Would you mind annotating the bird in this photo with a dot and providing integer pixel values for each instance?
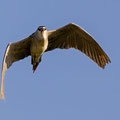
(42, 40)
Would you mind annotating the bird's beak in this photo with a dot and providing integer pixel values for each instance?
(44, 28)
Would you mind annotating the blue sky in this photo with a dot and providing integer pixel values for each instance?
(67, 85)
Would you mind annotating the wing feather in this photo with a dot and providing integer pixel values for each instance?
(73, 36)
(14, 52)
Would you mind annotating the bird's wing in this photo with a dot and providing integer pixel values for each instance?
(73, 36)
(14, 52)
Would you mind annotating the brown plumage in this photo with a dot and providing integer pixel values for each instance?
(72, 36)
(69, 36)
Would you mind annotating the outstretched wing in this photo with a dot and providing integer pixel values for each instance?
(14, 52)
(73, 36)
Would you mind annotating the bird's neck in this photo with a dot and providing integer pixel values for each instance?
(41, 35)
(45, 35)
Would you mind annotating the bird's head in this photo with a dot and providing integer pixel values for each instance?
(41, 29)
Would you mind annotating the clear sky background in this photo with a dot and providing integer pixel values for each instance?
(67, 85)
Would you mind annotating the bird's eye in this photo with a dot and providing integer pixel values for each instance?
(39, 29)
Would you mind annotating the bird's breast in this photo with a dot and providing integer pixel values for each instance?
(38, 47)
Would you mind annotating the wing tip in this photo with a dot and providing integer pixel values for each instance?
(3, 72)
(105, 63)
(3, 96)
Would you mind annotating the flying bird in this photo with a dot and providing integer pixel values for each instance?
(69, 36)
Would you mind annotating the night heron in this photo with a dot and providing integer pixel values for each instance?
(69, 36)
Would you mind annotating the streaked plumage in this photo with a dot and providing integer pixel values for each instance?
(69, 36)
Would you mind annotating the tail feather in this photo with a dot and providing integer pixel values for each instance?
(35, 66)
(34, 63)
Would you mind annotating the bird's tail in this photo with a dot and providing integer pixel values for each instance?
(34, 63)
(35, 66)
